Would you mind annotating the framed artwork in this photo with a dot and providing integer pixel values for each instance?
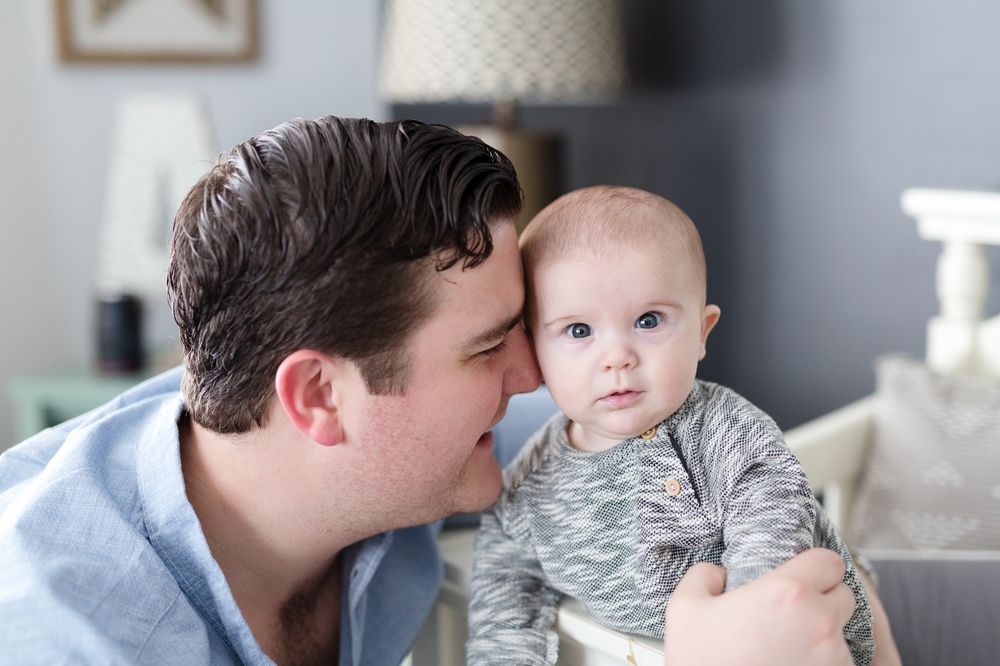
(157, 30)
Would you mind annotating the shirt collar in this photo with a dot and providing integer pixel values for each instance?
(692, 402)
(360, 564)
(175, 533)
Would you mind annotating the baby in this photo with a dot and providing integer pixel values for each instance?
(646, 470)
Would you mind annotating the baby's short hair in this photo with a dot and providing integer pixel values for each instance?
(597, 217)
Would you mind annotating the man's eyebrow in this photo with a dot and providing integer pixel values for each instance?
(495, 333)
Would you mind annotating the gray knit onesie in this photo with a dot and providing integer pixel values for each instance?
(618, 529)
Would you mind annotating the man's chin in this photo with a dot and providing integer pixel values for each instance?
(481, 504)
(479, 491)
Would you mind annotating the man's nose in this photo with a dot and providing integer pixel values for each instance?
(523, 374)
(618, 354)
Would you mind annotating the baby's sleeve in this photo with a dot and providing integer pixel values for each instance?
(769, 519)
(511, 606)
(766, 506)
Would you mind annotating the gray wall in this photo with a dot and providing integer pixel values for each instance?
(787, 130)
(318, 57)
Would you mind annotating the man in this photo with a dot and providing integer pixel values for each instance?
(348, 295)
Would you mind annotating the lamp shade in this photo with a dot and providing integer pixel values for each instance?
(494, 50)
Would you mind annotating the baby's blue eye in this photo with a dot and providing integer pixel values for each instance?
(648, 320)
(580, 330)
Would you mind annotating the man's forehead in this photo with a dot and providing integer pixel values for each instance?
(481, 302)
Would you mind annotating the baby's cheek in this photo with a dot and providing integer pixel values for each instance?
(565, 374)
(569, 392)
(548, 360)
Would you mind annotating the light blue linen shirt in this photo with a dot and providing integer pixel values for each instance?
(103, 561)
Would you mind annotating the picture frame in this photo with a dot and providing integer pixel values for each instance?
(157, 31)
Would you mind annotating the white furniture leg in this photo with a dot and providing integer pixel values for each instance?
(963, 281)
(958, 340)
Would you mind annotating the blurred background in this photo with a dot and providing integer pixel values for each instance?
(786, 129)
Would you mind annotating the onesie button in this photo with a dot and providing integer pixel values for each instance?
(673, 487)
(649, 434)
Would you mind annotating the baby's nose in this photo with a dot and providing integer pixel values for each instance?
(620, 355)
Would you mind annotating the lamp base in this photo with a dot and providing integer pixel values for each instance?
(535, 156)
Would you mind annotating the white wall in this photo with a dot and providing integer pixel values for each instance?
(318, 57)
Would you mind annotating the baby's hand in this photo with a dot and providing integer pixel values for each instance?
(791, 616)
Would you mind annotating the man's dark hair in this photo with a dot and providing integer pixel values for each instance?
(318, 235)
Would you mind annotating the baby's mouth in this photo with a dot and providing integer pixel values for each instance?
(621, 397)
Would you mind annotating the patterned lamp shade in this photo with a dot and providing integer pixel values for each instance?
(497, 50)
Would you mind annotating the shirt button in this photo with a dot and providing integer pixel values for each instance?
(649, 434)
(673, 487)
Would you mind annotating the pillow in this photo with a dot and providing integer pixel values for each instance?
(933, 476)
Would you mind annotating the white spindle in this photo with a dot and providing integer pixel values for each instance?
(958, 340)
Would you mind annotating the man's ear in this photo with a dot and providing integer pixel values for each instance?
(709, 318)
(309, 391)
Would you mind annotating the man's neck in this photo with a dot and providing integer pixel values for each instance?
(283, 568)
(308, 630)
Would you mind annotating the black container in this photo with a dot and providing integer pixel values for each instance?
(119, 333)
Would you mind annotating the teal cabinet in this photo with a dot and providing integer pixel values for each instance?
(41, 401)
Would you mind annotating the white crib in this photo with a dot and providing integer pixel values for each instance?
(831, 448)
(959, 341)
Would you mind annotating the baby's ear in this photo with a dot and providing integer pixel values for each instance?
(709, 318)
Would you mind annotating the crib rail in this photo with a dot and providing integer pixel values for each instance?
(832, 452)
